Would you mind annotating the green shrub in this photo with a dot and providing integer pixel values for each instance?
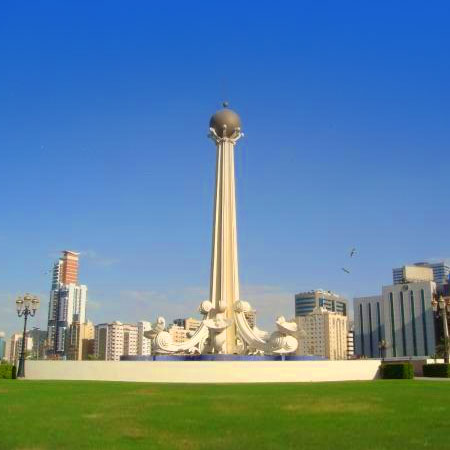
(397, 371)
(7, 371)
(436, 370)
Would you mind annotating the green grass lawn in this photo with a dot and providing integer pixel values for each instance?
(374, 415)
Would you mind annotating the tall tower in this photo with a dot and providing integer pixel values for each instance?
(225, 128)
(67, 301)
(227, 320)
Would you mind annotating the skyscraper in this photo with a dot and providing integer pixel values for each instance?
(67, 302)
(69, 268)
(65, 270)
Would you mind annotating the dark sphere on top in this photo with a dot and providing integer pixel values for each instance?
(225, 117)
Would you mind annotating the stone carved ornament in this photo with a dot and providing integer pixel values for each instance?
(209, 336)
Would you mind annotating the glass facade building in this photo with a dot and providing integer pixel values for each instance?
(306, 302)
(441, 272)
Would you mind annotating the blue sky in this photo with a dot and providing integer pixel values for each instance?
(104, 110)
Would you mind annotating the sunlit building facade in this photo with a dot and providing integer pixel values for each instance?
(325, 334)
(116, 339)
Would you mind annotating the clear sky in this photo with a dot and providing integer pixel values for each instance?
(104, 110)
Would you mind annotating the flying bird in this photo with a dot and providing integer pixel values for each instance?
(353, 252)
(345, 270)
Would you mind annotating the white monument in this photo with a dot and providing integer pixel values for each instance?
(224, 328)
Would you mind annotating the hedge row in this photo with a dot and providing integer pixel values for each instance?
(7, 371)
(436, 370)
(397, 371)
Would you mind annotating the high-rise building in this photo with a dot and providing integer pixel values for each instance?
(325, 334)
(130, 339)
(306, 302)
(69, 267)
(113, 340)
(65, 270)
(67, 302)
(441, 271)
(2, 345)
(144, 346)
(369, 325)
(446, 290)
(409, 319)
(39, 338)
(402, 318)
(418, 272)
(15, 347)
(80, 340)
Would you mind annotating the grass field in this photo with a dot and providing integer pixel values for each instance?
(352, 415)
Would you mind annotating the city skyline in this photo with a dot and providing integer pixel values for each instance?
(342, 156)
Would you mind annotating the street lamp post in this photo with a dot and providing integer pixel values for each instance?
(441, 307)
(26, 306)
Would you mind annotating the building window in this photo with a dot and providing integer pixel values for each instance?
(402, 311)
(413, 322)
(394, 346)
(424, 322)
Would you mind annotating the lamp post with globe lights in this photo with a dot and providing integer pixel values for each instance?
(26, 306)
(441, 307)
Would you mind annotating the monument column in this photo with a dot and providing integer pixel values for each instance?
(224, 288)
(224, 314)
